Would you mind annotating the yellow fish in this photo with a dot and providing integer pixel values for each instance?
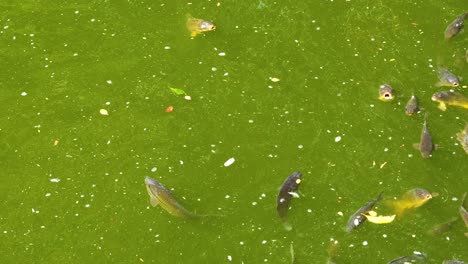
(378, 219)
(197, 26)
(411, 199)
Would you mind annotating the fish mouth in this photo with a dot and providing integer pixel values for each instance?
(434, 97)
(387, 95)
(149, 181)
(455, 84)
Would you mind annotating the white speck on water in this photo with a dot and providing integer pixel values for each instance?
(338, 139)
(364, 243)
(263, 195)
(317, 28)
(309, 210)
(384, 235)
(274, 79)
(241, 243)
(75, 54)
(214, 69)
(47, 194)
(385, 149)
(454, 199)
(356, 221)
(92, 20)
(77, 12)
(413, 235)
(5, 231)
(108, 103)
(410, 155)
(340, 213)
(167, 47)
(187, 97)
(447, 238)
(181, 162)
(313, 21)
(351, 245)
(24, 93)
(54, 180)
(42, 227)
(103, 112)
(227, 196)
(154, 169)
(251, 121)
(229, 162)
(254, 203)
(109, 81)
(222, 54)
(87, 205)
(264, 242)
(300, 146)
(229, 258)
(371, 105)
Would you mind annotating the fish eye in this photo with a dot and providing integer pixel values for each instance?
(455, 84)
(428, 196)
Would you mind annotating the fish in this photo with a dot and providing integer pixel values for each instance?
(379, 219)
(386, 92)
(417, 257)
(411, 107)
(450, 98)
(464, 212)
(425, 145)
(332, 251)
(446, 78)
(196, 26)
(357, 218)
(160, 195)
(411, 199)
(453, 262)
(455, 27)
(442, 228)
(290, 185)
(462, 137)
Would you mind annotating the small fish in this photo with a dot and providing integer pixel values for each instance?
(411, 107)
(357, 218)
(455, 27)
(411, 199)
(446, 78)
(442, 228)
(425, 145)
(453, 262)
(332, 251)
(417, 257)
(464, 212)
(386, 92)
(462, 137)
(379, 219)
(159, 195)
(290, 185)
(197, 26)
(450, 98)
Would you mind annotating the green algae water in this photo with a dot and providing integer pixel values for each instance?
(280, 86)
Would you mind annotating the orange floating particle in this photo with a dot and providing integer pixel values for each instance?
(56, 142)
(169, 109)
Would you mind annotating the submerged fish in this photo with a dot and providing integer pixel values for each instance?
(450, 98)
(379, 219)
(442, 228)
(332, 251)
(411, 199)
(290, 185)
(453, 262)
(425, 145)
(462, 137)
(455, 27)
(464, 212)
(386, 92)
(357, 218)
(159, 195)
(197, 26)
(446, 78)
(417, 257)
(411, 107)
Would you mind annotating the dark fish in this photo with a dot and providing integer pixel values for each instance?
(453, 262)
(287, 191)
(450, 98)
(446, 78)
(425, 146)
(417, 257)
(411, 107)
(464, 212)
(462, 137)
(442, 228)
(455, 27)
(386, 92)
(159, 195)
(357, 218)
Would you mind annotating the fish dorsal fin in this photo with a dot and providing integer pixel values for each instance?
(153, 201)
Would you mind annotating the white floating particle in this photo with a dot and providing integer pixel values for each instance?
(364, 243)
(54, 180)
(338, 139)
(384, 235)
(229, 258)
(47, 194)
(340, 213)
(222, 54)
(229, 162)
(33, 210)
(264, 242)
(77, 12)
(181, 162)
(87, 205)
(274, 79)
(214, 69)
(241, 243)
(108, 103)
(227, 196)
(371, 105)
(187, 97)
(294, 194)
(413, 235)
(167, 47)
(24, 93)
(454, 199)
(309, 210)
(109, 81)
(385, 149)
(103, 112)
(254, 203)
(75, 54)
(300, 146)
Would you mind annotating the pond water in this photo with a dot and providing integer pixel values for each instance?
(280, 86)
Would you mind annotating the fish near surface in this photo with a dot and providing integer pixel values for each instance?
(197, 26)
(357, 218)
(463, 212)
(417, 257)
(453, 262)
(425, 145)
(462, 137)
(411, 199)
(442, 228)
(161, 196)
(287, 191)
(450, 98)
(446, 78)
(411, 107)
(386, 92)
(455, 27)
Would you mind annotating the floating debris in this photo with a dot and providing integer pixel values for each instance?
(103, 112)
(169, 109)
(229, 162)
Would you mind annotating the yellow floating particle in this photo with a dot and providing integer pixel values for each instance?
(392, 59)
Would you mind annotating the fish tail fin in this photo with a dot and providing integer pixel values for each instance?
(287, 226)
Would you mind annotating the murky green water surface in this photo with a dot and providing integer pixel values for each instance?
(73, 180)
